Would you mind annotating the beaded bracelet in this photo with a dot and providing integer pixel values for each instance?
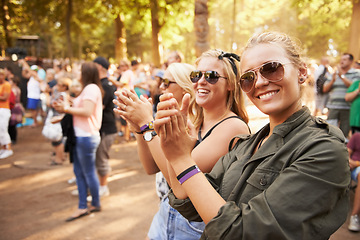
(188, 173)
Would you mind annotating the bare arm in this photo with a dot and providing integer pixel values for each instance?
(349, 97)
(177, 148)
(85, 111)
(328, 85)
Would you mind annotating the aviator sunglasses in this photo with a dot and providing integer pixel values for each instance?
(166, 82)
(272, 71)
(210, 76)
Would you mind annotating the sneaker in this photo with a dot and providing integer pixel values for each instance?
(104, 191)
(354, 224)
(75, 192)
(72, 181)
(6, 154)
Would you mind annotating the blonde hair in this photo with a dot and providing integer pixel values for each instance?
(181, 74)
(234, 99)
(291, 46)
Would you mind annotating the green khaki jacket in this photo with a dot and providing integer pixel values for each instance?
(294, 187)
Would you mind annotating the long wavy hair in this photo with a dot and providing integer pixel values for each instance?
(234, 99)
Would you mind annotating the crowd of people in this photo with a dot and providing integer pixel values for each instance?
(214, 177)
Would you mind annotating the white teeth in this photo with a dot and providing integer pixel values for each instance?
(202, 91)
(267, 95)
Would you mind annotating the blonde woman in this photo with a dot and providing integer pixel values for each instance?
(287, 181)
(217, 119)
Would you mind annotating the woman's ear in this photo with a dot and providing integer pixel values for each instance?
(302, 73)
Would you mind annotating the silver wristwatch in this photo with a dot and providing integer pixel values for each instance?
(149, 135)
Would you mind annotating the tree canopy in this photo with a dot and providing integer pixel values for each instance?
(323, 26)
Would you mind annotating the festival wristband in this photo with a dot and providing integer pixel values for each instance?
(188, 173)
(147, 127)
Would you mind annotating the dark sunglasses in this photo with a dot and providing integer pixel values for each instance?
(166, 82)
(210, 76)
(272, 71)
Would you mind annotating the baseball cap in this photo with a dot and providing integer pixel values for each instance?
(102, 61)
(160, 74)
(34, 67)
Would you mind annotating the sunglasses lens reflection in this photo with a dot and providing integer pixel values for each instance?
(195, 76)
(247, 80)
(273, 71)
(210, 76)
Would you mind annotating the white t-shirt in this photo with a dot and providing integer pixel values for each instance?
(33, 89)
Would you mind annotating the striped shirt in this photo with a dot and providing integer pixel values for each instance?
(338, 90)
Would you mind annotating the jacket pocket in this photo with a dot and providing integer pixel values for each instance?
(262, 178)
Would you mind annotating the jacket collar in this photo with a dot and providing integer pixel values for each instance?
(277, 138)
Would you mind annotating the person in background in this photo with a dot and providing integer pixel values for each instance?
(17, 112)
(59, 70)
(5, 141)
(342, 78)
(127, 82)
(218, 114)
(9, 73)
(108, 127)
(357, 65)
(352, 96)
(353, 148)
(321, 98)
(87, 116)
(287, 181)
(33, 90)
(59, 91)
(174, 56)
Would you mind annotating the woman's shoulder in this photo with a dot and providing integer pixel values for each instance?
(234, 124)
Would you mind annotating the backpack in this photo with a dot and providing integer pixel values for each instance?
(320, 82)
(12, 100)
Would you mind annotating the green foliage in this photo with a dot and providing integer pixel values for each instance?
(314, 22)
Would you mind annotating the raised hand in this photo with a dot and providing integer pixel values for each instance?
(137, 111)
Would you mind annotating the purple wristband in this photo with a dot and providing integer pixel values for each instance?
(189, 175)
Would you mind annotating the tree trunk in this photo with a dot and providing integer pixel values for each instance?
(5, 19)
(120, 41)
(201, 27)
(68, 30)
(155, 29)
(354, 43)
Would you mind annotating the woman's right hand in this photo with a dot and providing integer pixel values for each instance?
(136, 111)
(171, 126)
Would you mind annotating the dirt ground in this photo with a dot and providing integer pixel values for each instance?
(35, 197)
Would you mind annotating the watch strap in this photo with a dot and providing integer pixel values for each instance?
(147, 127)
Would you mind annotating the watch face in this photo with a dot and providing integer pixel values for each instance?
(148, 136)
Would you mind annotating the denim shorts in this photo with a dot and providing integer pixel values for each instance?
(169, 224)
(355, 174)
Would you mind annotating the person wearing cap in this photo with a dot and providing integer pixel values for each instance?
(5, 141)
(108, 127)
(33, 89)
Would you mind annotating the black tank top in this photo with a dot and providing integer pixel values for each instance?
(200, 139)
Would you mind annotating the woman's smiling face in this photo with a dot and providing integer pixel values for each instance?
(210, 94)
(282, 98)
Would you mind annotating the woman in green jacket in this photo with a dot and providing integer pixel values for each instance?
(287, 181)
